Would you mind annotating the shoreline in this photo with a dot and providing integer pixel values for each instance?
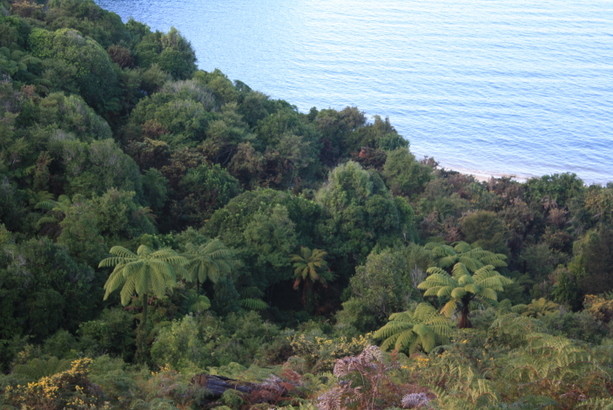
(484, 176)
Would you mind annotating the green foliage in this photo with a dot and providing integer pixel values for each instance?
(310, 265)
(111, 334)
(75, 63)
(181, 345)
(171, 51)
(88, 225)
(320, 352)
(404, 175)
(265, 227)
(359, 213)
(421, 329)
(593, 260)
(336, 128)
(88, 18)
(146, 272)
(116, 379)
(310, 269)
(107, 128)
(37, 368)
(203, 190)
(379, 134)
(92, 168)
(270, 239)
(178, 114)
(537, 308)
(199, 342)
(473, 276)
(380, 287)
(68, 113)
(211, 261)
(177, 56)
(37, 300)
(485, 230)
(557, 188)
(599, 202)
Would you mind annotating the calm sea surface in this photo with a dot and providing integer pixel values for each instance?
(486, 86)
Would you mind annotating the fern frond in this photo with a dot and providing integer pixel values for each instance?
(449, 308)
(122, 252)
(111, 261)
(253, 304)
(127, 291)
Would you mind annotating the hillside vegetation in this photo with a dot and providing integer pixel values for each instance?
(161, 225)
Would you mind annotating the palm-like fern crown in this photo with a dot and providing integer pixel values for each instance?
(211, 261)
(471, 256)
(144, 272)
(409, 331)
(311, 265)
(473, 274)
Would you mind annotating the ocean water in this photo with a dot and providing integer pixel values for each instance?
(491, 87)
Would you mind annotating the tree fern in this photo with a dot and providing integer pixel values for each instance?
(211, 261)
(470, 278)
(146, 272)
(409, 331)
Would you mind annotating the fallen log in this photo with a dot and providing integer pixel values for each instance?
(217, 385)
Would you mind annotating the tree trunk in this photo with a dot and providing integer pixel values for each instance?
(464, 312)
(142, 332)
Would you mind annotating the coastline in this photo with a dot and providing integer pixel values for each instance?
(485, 176)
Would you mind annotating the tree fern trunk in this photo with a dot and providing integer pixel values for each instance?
(142, 332)
(145, 310)
(464, 313)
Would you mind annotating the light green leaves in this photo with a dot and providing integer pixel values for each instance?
(146, 272)
(409, 331)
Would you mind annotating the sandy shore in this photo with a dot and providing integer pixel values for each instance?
(483, 176)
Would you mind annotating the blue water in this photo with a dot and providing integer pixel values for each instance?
(492, 87)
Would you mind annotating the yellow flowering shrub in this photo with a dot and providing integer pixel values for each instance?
(599, 307)
(69, 389)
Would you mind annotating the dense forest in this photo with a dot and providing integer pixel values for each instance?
(170, 238)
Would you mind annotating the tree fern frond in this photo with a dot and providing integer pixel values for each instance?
(471, 263)
(111, 261)
(459, 269)
(405, 340)
(122, 252)
(424, 311)
(458, 293)
(115, 280)
(390, 342)
(449, 308)
(497, 260)
(127, 291)
(433, 291)
(443, 291)
(461, 247)
(489, 294)
(391, 328)
(253, 304)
